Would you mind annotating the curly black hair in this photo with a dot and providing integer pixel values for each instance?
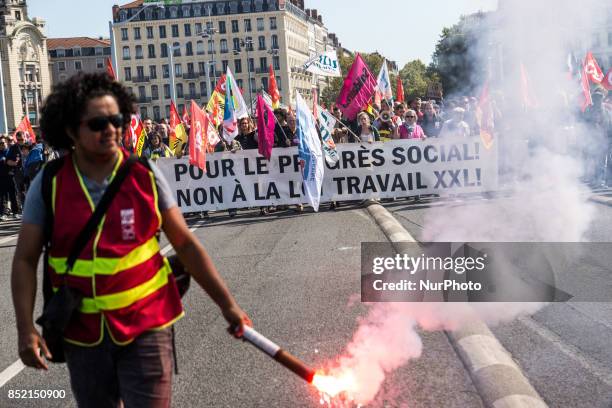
(65, 106)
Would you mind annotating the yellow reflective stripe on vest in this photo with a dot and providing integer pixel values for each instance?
(107, 266)
(128, 297)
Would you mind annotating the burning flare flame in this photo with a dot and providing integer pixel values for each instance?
(332, 386)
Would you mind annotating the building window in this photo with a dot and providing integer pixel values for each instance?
(211, 47)
(190, 68)
(260, 24)
(167, 111)
(142, 92)
(262, 42)
(276, 62)
(203, 89)
(137, 33)
(200, 47)
(192, 90)
(176, 49)
(240, 83)
(222, 28)
(78, 65)
(273, 23)
(253, 84)
(247, 25)
(60, 52)
(187, 30)
(278, 83)
(128, 73)
(148, 14)
(178, 70)
(175, 30)
(198, 28)
(61, 66)
(17, 15)
(162, 31)
(152, 71)
(154, 92)
(236, 44)
(188, 49)
(167, 91)
(99, 63)
(274, 41)
(76, 52)
(251, 64)
(179, 91)
(264, 83)
(197, 10)
(166, 71)
(237, 66)
(249, 43)
(143, 112)
(99, 51)
(151, 49)
(164, 50)
(140, 72)
(149, 32)
(156, 114)
(173, 12)
(139, 52)
(186, 11)
(263, 64)
(224, 65)
(126, 53)
(235, 28)
(224, 49)
(124, 34)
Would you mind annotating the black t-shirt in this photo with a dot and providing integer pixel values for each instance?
(14, 153)
(3, 166)
(282, 136)
(247, 141)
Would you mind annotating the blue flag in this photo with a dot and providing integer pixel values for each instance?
(310, 153)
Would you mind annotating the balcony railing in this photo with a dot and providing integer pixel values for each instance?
(190, 75)
(144, 99)
(140, 79)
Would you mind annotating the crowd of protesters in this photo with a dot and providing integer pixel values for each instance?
(417, 119)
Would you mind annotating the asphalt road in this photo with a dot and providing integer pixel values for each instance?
(298, 278)
(564, 349)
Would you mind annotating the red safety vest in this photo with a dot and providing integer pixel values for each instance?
(126, 283)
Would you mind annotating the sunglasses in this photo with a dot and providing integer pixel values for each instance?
(411, 117)
(99, 123)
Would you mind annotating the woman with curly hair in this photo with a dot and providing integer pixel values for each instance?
(118, 341)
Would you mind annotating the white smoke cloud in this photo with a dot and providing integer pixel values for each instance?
(546, 200)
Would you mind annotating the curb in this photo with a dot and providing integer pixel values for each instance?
(498, 379)
(601, 200)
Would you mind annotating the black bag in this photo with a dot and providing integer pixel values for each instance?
(181, 276)
(60, 306)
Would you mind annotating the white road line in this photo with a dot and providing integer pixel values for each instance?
(17, 366)
(7, 239)
(10, 372)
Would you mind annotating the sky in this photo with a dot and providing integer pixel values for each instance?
(401, 30)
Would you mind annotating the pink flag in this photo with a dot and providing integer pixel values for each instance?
(265, 128)
(198, 140)
(357, 90)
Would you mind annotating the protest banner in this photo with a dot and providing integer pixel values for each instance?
(394, 169)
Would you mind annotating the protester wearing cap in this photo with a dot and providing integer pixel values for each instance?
(456, 126)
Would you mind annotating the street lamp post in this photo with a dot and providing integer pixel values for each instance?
(248, 43)
(172, 78)
(207, 34)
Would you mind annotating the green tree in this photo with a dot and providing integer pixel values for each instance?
(454, 59)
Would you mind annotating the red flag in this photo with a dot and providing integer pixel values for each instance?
(273, 89)
(607, 81)
(529, 98)
(26, 128)
(185, 117)
(110, 70)
(400, 89)
(265, 128)
(198, 138)
(592, 70)
(586, 90)
(135, 136)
